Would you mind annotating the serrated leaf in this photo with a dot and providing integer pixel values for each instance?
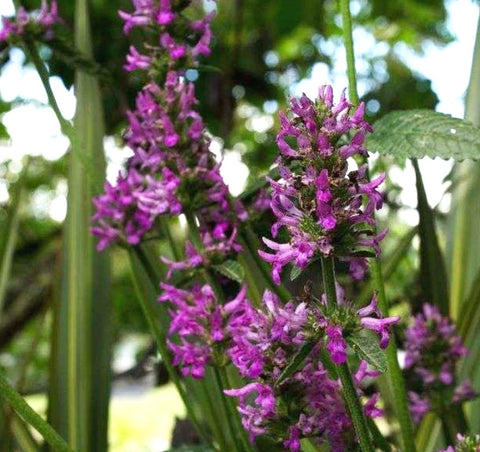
(368, 348)
(296, 362)
(420, 133)
(232, 270)
(295, 273)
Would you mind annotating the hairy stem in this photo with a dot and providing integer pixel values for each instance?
(349, 392)
(23, 409)
(394, 373)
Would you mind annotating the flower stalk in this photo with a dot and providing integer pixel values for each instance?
(349, 392)
(394, 373)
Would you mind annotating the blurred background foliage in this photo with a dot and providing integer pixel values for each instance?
(261, 49)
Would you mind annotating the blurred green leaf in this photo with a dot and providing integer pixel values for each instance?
(232, 270)
(433, 274)
(295, 272)
(80, 382)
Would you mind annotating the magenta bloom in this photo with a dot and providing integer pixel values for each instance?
(127, 210)
(379, 325)
(336, 345)
(199, 322)
(160, 17)
(41, 23)
(326, 209)
(433, 349)
(262, 342)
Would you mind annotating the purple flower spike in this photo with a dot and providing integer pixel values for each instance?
(320, 203)
(433, 349)
(24, 22)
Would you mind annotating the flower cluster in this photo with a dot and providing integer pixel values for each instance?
(306, 402)
(166, 17)
(327, 209)
(199, 321)
(171, 169)
(40, 24)
(127, 210)
(343, 320)
(470, 443)
(433, 348)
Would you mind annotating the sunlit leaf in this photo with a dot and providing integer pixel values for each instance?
(419, 133)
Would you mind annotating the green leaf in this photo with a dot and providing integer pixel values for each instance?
(232, 270)
(296, 362)
(367, 348)
(433, 274)
(295, 273)
(420, 133)
(464, 244)
(80, 373)
(31, 417)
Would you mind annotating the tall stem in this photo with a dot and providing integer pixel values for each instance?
(198, 243)
(396, 382)
(348, 41)
(159, 335)
(32, 51)
(223, 382)
(394, 373)
(23, 409)
(349, 392)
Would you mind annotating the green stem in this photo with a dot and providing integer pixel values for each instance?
(233, 419)
(10, 232)
(23, 409)
(394, 373)
(225, 406)
(354, 407)
(349, 392)
(32, 51)
(198, 243)
(164, 224)
(161, 340)
(348, 40)
(235, 415)
(196, 239)
(395, 378)
(448, 428)
(328, 273)
(453, 422)
(377, 436)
